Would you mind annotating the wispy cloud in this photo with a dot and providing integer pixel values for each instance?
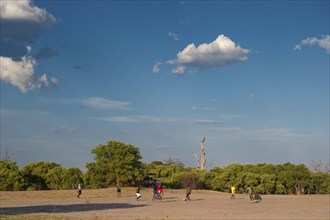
(97, 103)
(284, 135)
(102, 103)
(62, 129)
(156, 67)
(138, 119)
(312, 41)
(157, 119)
(173, 35)
(194, 108)
(208, 122)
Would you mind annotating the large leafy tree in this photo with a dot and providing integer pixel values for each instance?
(115, 163)
(43, 175)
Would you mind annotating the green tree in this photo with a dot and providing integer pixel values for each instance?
(115, 162)
(71, 177)
(54, 178)
(10, 177)
(40, 175)
(320, 182)
(98, 176)
(267, 183)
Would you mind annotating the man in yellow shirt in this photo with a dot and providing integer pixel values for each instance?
(232, 192)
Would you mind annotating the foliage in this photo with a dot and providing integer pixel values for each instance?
(11, 178)
(41, 176)
(45, 176)
(115, 163)
(120, 163)
(71, 177)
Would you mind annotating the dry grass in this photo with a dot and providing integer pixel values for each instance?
(104, 204)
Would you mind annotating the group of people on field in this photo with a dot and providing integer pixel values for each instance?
(158, 192)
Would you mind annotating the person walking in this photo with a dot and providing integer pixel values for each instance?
(233, 191)
(155, 188)
(188, 192)
(79, 190)
(249, 191)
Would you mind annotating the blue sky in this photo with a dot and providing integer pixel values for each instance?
(250, 76)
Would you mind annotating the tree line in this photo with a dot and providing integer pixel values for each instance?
(117, 163)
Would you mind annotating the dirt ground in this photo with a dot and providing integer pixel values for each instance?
(104, 204)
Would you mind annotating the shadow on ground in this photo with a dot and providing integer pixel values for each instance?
(65, 208)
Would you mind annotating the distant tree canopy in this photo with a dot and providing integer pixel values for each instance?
(11, 178)
(119, 163)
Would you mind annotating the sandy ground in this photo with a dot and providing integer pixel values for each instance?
(104, 204)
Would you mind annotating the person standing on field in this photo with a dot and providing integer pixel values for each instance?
(233, 191)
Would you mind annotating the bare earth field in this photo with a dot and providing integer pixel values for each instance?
(104, 204)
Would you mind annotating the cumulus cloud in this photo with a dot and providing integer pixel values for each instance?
(21, 74)
(21, 24)
(220, 52)
(312, 41)
(23, 20)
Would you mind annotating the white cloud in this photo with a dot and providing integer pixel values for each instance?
(156, 67)
(102, 103)
(21, 74)
(22, 18)
(22, 9)
(158, 119)
(120, 119)
(179, 70)
(221, 52)
(208, 109)
(284, 135)
(97, 103)
(173, 35)
(312, 41)
(62, 129)
(208, 122)
(21, 24)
